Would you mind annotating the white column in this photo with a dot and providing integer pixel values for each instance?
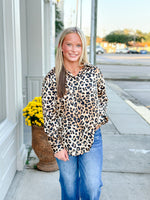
(23, 26)
(52, 34)
(35, 47)
(21, 151)
(49, 30)
(40, 20)
(35, 37)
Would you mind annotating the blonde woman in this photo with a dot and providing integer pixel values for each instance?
(74, 107)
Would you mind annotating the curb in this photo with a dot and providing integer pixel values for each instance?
(127, 79)
(124, 64)
(141, 110)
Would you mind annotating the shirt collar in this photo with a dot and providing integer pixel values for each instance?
(80, 72)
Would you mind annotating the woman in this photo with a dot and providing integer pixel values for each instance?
(74, 107)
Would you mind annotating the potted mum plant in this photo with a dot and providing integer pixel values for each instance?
(34, 117)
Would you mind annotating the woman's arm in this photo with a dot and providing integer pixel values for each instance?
(50, 114)
(102, 97)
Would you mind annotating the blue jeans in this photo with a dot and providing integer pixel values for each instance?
(80, 177)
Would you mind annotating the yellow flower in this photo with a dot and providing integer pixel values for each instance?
(29, 123)
(24, 110)
(33, 112)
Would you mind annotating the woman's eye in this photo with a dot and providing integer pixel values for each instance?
(79, 45)
(68, 44)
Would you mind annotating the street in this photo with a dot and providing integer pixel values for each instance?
(127, 59)
(125, 71)
(133, 79)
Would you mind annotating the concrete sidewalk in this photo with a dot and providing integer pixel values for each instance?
(126, 167)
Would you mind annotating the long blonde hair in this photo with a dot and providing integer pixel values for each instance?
(59, 62)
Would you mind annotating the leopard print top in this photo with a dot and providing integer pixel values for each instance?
(70, 122)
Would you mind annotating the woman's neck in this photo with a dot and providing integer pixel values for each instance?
(74, 68)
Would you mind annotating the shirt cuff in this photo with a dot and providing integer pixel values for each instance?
(103, 120)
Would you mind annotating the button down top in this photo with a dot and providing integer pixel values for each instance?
(70, 122)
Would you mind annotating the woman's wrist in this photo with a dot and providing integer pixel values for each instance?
(98, 126)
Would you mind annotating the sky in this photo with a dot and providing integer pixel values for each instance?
(111, 15)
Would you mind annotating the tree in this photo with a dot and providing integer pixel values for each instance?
(58, 23)
(123, 37)
(147, 37)
(116, 37)
(139, 36)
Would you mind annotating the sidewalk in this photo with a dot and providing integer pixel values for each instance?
(126, 167)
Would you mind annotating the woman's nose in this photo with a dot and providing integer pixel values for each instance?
(73, 48)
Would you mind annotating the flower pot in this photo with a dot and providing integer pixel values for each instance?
(43, 150)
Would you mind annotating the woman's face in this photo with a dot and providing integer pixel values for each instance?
(72, 47)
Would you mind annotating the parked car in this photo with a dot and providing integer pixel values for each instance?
(133, 52)
(143, 51)
(99, 49)
(125, 50)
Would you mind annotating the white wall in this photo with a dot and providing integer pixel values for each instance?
(38, 44)
(12, 150)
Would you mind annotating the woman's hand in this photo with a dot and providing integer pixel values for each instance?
(62, 155)
(97, 127)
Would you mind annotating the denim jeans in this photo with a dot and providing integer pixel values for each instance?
(80, 177)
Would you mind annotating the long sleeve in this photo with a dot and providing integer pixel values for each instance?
(102, 96)
(51, 113)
